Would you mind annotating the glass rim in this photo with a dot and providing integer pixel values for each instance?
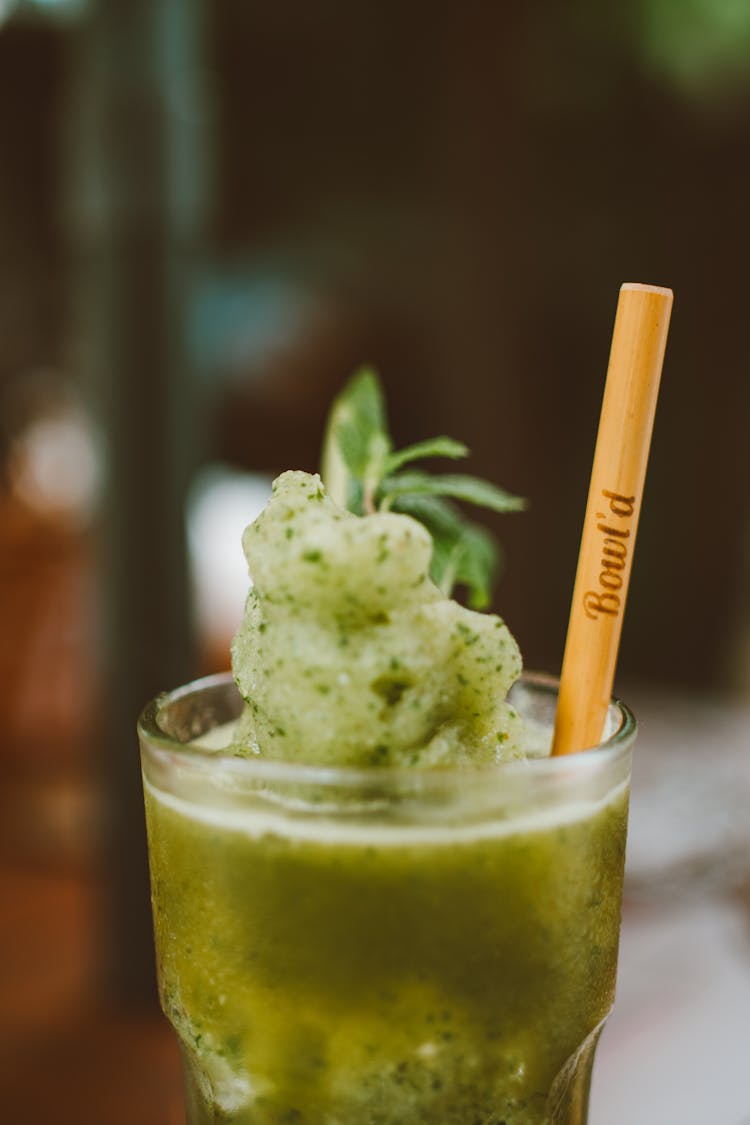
(167, 748)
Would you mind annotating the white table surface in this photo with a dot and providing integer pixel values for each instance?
(676, 1050)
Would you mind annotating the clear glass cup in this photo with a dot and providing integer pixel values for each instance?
(383, 946)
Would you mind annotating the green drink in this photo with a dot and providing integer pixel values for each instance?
(377, 899)
(349, 946)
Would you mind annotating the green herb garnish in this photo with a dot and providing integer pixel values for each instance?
(362, 472)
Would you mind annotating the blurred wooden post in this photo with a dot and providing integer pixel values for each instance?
(134, 189)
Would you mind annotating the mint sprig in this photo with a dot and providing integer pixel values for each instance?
(361, 472)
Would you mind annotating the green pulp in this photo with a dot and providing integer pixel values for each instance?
(454, 980)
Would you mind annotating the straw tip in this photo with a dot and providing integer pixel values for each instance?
(637, 287)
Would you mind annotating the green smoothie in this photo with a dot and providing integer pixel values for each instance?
(334, 952)
(378, 902)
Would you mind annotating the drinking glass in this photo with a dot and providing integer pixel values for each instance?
(383, 946)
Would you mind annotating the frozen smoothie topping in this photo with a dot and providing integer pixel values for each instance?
(350, 653)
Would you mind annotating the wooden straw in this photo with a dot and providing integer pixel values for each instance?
(612, 511)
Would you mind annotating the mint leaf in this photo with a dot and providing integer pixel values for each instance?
(359, 423)
(469, 559)
(439, 517)
(357, 443)
(444, 561)
(432, 447)
(462, 554)
(478, 562)
(456, 485)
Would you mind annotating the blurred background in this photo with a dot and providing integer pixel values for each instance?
(210, 214)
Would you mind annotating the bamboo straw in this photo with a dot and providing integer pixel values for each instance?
(612, 511)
